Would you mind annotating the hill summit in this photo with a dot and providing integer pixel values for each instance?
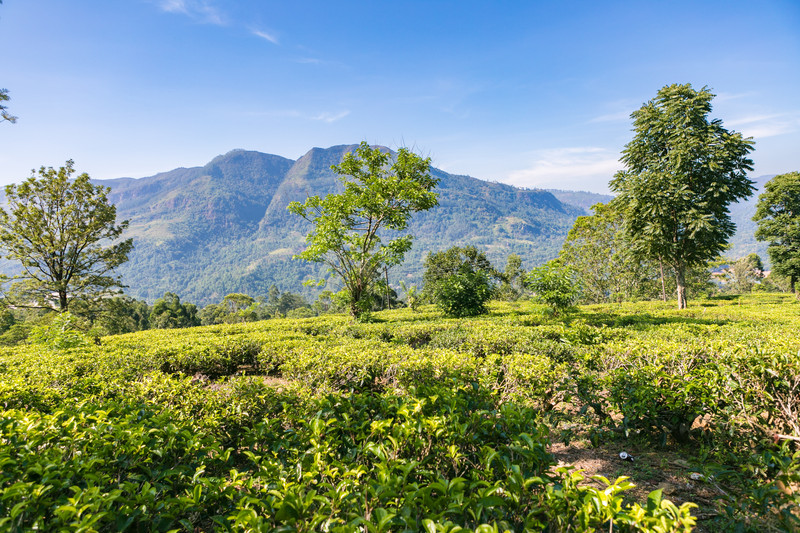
(207, 231)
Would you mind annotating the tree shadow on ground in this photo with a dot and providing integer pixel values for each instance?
(644, 320)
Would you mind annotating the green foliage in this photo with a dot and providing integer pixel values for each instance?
(441, 265)
(778, 218)
(348, 227)
(114, 316)
(411, 423)
(60, 333)
(411, 296)
(4, 114)
(464, 293)
(682, 173)
(168, 313)
(460, 280)
(513, 285)
(554, 285)
(59, 228)
(743, 274)
(7, 320)
(235, 307)
(598, 251)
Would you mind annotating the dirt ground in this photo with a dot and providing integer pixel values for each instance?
(650, 470)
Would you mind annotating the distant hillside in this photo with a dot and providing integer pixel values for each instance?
(583, 199)
(207, 231)
(742, 244)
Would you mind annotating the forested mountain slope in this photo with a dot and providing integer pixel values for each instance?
(207, 231)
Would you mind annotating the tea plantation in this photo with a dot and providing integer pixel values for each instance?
(411, 422)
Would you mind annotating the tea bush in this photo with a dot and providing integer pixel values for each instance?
(412, 422)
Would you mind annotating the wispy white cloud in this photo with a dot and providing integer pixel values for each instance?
(268, 36)
(727, 97)
(200, 10)
(331, 117)
(559, 167)
(770, 125)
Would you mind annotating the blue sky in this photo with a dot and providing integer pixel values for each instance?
(533, 93)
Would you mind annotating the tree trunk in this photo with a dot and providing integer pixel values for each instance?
(663, 286)
(386, 271)
(680, 281)
(62, 301)
(356, 295)
(792, 281)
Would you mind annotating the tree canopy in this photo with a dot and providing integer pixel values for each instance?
(598, 252)
(350, 227)
(460, 280)
(778, 218)
(169, 313)
(61, 229)
(554, 285)
(682, 172)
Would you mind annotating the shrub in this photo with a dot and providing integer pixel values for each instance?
(555, 286)
(464, 294)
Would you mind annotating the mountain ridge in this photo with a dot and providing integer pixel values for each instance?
(206, 231)
(222, 227)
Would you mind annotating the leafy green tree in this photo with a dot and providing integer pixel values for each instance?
(289, 301)
(328, 302)
(682, 173)
(441, 265)
(234, 307)
(464, 293)
(513, 285)
(169, 313)
(778, 218)
(240, 307)
(460, 280)
(4, 114)
(597, 250)
(555, 285)
(7, 320)
(349, 227)
(60, 230)
(742, 275)
(114, 316)
(411, 296)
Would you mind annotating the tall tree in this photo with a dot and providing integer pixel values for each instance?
(682, 172)
(598, 252)
(513, 285)
(778, 218)
(60, 230)
(441, 265)
(349, 227)
(743, 274)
